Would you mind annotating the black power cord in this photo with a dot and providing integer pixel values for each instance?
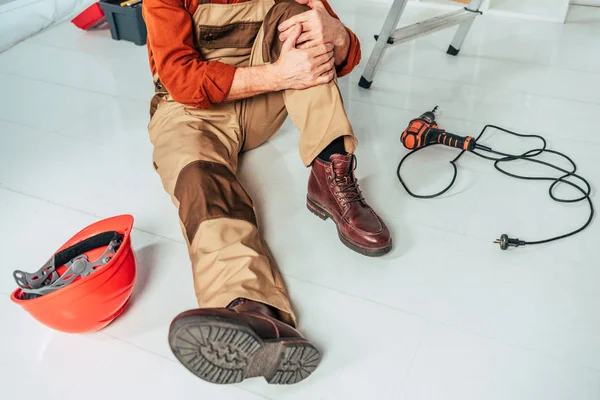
(505, 241)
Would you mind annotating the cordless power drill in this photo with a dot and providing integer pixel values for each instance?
(424, 131)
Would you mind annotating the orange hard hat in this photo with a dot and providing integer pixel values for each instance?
(72, 294)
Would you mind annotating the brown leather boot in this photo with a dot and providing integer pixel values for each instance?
(333, 193)
(244, 340)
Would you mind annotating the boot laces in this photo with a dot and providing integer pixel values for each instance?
(346, 183)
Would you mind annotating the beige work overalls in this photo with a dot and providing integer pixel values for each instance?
(196, 153)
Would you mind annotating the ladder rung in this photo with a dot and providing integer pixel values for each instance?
(427, 26)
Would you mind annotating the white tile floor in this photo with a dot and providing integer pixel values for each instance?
(446, 315)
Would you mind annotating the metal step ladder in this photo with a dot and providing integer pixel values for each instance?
(390, 36)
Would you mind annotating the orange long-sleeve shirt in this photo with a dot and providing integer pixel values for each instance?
(172, 54)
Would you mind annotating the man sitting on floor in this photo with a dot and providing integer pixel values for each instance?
(227, 73)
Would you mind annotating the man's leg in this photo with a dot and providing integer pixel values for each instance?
(244, 326)
(317, 112)
(327, 143)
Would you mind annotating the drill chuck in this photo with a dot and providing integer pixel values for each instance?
(429, 116)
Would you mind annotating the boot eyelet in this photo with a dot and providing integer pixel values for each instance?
(331, 184)
(328, 170)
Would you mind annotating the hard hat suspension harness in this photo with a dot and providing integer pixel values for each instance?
(47, 279)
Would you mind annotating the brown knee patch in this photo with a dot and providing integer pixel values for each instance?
(207, 190)
(281, 11)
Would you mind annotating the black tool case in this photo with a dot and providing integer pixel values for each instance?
(126, 23)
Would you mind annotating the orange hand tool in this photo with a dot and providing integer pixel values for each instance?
(424, 130)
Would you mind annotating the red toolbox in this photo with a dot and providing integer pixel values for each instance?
(90, 17)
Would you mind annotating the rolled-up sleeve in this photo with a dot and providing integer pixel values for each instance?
(188, 79)
(354, 53)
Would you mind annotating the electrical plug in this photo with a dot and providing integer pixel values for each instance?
(505, 242)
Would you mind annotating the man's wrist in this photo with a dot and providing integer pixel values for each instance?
(255, 80)
(273, 78)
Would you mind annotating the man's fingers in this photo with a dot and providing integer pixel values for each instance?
(325, 66)
(290, 41)
(325, 78)
(296, 19)
(307, 45)
(321, 49)
(305, 37)
(283, 35)
(323, 59)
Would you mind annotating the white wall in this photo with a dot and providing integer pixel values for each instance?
(20, 19)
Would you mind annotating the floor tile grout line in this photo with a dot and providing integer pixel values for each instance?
(85, 213)
(254, 393)
(285, 130)
(19, 123)
(69, 49)
(170, 360)
(404, 219)
(182, 242)
(160, 356)
(465, 235)
(517, 346)
(69, 391)
(471, 121)
(14, 8)
(55, 132)
(499, 60)
(294, 130)
(178, 240)
(138, 347)
(465, 84)
(354, 82)
(49, 201)
(411, 313)
(110, 95)
(476, 122)
(414, 358)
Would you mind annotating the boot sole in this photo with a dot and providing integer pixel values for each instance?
(321, 213)
(220, 351)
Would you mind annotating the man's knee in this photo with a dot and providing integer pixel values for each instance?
(208, 190)
(281, 11)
